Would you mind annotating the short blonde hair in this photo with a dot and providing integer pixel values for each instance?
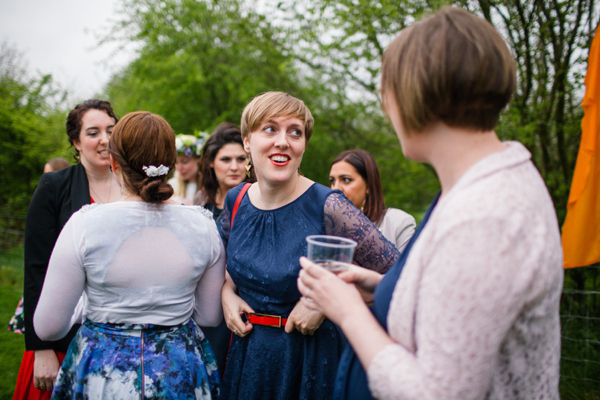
(451, 67)
(271, 105)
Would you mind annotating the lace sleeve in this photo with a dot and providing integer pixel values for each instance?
(373, 251)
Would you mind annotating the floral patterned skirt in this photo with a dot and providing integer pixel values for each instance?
(122, 361)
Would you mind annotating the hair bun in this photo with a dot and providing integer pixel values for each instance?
(143, 144)
(155, 190)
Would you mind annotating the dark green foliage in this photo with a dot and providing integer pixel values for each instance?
(200, 62)
(31, 131)
(341, 42)
(580, 326)
(550, 42)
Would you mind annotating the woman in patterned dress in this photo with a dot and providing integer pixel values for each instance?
(151, 269)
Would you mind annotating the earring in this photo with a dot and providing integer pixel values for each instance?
(248, 166)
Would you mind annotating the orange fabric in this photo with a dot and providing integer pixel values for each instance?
(581, 229)
(24, 389)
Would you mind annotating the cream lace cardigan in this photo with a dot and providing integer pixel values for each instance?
(475, 313)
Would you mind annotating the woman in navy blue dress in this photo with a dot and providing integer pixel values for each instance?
(282, 349)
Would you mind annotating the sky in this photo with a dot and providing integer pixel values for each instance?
(60, 37)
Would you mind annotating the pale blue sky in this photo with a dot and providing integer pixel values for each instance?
(60, 37)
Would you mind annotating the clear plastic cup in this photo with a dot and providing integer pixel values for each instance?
(331, 252)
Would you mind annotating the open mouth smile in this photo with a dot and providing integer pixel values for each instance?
(280, 160)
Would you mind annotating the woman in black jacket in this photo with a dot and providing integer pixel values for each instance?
(58, 195)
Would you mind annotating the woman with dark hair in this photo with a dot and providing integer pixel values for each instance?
(59, 194)
(355, 173)
(222, 165)
(152, 269)
(471, 309)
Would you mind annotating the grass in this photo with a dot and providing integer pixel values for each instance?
(11, 344)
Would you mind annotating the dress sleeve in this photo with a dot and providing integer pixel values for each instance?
(41, 231)
(373, 250)
(473, 286)
(208, 310)
(63, 285)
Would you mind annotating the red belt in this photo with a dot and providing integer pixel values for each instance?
(266, 319)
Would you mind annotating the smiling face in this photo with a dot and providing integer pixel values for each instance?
(229, 165)
(187, 167)
(92, 144)
(343, 176)
(277, 148)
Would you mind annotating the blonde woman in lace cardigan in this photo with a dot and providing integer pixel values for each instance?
(474, 313)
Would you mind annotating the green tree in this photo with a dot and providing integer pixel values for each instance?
(550, 42)
(199, 62)
(342, 42)
(30, 130)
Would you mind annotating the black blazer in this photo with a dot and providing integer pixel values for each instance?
(58, 195)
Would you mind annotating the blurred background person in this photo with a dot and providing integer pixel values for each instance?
(186, 180)
(355, 173)
(151, 268)
(471, 309)
(58, 195)
(17, 321)
(55, 164)
(222, 166)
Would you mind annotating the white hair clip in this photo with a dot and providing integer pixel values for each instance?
(153, 171)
